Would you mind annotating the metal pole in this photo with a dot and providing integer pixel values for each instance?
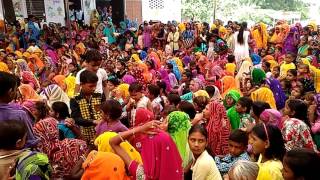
(214, 9)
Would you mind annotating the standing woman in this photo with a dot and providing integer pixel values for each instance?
(218, 127)
(188, 37)
(240, 44)
(203, 166)
(173, 39)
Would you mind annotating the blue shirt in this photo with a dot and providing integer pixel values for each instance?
(224, 164)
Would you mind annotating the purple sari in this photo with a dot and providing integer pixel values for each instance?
(278, 93)
(289, 44)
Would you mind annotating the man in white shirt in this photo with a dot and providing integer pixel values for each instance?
(93, 60)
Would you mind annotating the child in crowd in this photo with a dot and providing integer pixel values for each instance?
(268, 144)
(153, 93)
(137, 100)
(231, 66)
(172, 77)
(67, 128)
(173, 99)
(292, 77)
(243, 107)
(287, 64)
(17, 162)
(238, 141)
(111, 112)
(85, 107)
(276, 72)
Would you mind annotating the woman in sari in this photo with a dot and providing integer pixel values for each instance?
(260, 35)
(157, 149)
(228, 83)
(303, 47)
(27, 77)
(103, 165)
(245, 69)
(178, 128)
(279, 94)
(102, 142)
(230, 102)
(60, 81)
(35, 64)
(53, 93)
(218, 127)
(291, 41)
(28, 93)
(62, 154)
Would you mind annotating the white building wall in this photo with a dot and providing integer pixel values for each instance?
(162, 10)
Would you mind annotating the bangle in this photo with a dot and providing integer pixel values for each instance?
(121, 138)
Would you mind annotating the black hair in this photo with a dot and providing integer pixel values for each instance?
(112, 108)
(268, 65)
(113, 80)
(188, 108)
(245, 102)
(210, 90)
(259, 106)
(174, 99)
(231, 58)
(240, 39)
(88, 77)
(239, 136)
(188, 73)
(61, 108)
(92, 55)
(292, 71)
(199, 128)
(43, 109)
(273, 134)
(293, 55)
(300, 109)
(7, 82)
(135, 87)
(163, 86)
(170, 66)
(304, 163)
(154, 90)
(10, 132)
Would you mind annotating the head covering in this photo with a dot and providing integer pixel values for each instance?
(176, 70)
(143, 55)
(218, 128)
(136, 58)
(264, 94)
(123, 89)
(245, 68)
(161, 158)
(102, 141)
(201, 93)
(232, 113)
(22, 65)
(128, 79)
(228, 83)
(278, 93)
(186, 60)
(258, 76)
(255, 58)
(54, 93)
(165, 78)
(216, 96)
(29, 78)
(104, 165)
(63, 154)
(28, 93)
(271, 116)
(4, 67)
(178, 128)
(37, 64)
(59, 79)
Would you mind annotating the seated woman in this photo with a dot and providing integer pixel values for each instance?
(157, 149)
(203, 165)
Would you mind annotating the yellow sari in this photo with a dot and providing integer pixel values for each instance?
(264, 94)
(261, 37)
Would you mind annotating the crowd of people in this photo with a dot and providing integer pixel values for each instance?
(159, 101)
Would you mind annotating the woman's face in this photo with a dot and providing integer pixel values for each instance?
(287, 110)
(206, 112)
(229, 101)
(197, 143)
(290, 76)
(194, 87)
(110, 86)
(258, 145)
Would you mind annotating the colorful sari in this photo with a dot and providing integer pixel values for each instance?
(62, 154)
(104, 165)
(264, 94)
(161, 159)
(28, 93)
(178, 128)
(102, 142)
(279, 94)
(4, 67)
(53, 93)
(258, 76)
(232, 113)
(218, 127)
(271, 116)
(60, 81)
(228, 83)
(261, 36)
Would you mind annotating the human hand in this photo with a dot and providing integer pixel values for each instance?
(151, 127)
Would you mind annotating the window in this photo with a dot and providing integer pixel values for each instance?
(156, 4)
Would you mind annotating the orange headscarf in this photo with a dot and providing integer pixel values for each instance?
(146, 74)
(28, 93)
(228, 83)
(104, 165)
(36, 64)
(59, 80)
(4, 67)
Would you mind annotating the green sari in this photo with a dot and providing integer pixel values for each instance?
(232, 114)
